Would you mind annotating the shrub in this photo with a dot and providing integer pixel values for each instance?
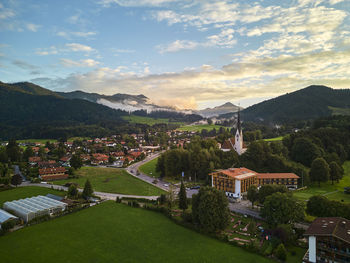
(281, 252)
(118, 200)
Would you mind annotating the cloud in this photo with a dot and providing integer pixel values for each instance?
(82, 63)
(32, 27)
(6, 13)
(178, 45)
(224, 39)
(79, 47)
(24, 65)
(134, 3)
(259, 77)
(69, 35)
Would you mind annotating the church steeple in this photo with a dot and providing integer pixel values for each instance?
(239, 127)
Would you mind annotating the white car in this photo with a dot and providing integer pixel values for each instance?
(166, 185)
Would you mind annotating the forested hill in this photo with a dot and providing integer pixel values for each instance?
(27, 109)
(305, 104)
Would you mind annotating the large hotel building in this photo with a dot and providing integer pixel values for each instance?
(236, 181)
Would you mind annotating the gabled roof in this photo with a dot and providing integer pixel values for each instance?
(330, 226)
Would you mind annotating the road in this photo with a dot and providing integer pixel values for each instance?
(132, 169)
(18, 171)
(242, 208)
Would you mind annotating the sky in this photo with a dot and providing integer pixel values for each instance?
(190, 54)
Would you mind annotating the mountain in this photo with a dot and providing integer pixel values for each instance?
(309, 103)
(121, 101)
(27, 110)
(228, 107)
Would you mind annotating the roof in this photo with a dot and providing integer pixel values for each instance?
(237, 173)
(52, 170)
(330, 226)
(55, 197)
(277, 176)
(228, 144)
(4, 216)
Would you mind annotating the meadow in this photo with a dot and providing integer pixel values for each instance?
(149, 168)
(112, 232)
(24, 192)
(274, 139)
(112, 180)
(199, 128)
(148, 120)
(333, 192)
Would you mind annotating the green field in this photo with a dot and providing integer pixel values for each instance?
(274, 139)
(149, 168)
(148, 120)
(333, 192)
(199, 128)
(339, 111)
(112, 180)
(42, 141)
(112, 232)
(27, 191)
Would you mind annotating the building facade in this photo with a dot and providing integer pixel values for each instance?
(49, 174)
(329, 240)
(234, 181)
(290, 180)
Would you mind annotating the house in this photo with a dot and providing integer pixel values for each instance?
(234, 181)
(329, 240)
(98, 158)
(34, 160)
(49, 174)
(290, 180)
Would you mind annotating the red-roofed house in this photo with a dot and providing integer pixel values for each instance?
(49, 174)
(98, 158)
(288, 179)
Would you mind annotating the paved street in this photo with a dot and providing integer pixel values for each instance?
(18, 171)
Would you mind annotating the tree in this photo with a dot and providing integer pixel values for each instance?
(281, 252)
(305, 151)
(76, 161)
(253, 194)
(28, 152)
(319, 171)
(281, 208)
(88, 191)
(182, 197)
(72, 191)
(16, 179)
(335, 171)
(317, 205)
(269, 189)
(210, 209)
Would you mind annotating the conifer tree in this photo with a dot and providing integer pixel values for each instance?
(88, 191)
(182, 197)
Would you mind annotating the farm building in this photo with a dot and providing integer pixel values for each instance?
(5, 217)
(33, 207)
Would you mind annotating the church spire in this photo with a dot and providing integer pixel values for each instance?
(239, 127)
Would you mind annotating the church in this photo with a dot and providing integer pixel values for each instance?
(235, 143)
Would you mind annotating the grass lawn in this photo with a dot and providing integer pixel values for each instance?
(149, 168)
(147, 120)
(333, 192)
(112, 180)
(199, 128)
(112, 232)
(24, 192)
(42, 141)
(274, 139)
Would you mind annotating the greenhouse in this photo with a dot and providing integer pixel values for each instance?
(30, 208)
(5, 216)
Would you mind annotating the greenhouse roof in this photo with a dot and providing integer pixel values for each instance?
(4, 216)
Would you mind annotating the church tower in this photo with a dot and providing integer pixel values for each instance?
(239, 136)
